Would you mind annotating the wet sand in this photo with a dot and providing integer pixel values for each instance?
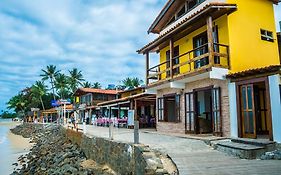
(11, 147)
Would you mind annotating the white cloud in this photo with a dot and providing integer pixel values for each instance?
(98, 37)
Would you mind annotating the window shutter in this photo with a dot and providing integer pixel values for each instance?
(177, 98)
(189, 113)
(216, 108)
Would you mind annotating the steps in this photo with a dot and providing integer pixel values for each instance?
(245, 148)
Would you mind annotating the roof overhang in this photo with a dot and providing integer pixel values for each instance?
(125, 100)
(166, 12)
(255, 73)
(191, 23)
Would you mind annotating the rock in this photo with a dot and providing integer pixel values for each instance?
(52, 153)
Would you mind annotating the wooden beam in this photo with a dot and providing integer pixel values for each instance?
(119, 111)
(210, 39)
(171, 56)
(136, 110)
(147, 67)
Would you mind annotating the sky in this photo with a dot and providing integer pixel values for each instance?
(98, 37)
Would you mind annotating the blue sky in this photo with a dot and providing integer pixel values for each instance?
(98, 37)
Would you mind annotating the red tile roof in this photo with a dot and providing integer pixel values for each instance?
(97, 91)
(257, 71)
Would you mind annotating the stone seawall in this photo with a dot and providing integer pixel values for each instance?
(123, 158)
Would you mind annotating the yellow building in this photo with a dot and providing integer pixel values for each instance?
(206, 48)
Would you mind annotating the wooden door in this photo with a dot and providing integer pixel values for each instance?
(248, 111)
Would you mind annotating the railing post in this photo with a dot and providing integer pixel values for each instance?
(147, 66)
(171, 56)
(136, 132)
(210, 40)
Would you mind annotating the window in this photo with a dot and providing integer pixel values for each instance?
(181, 12)
(267, 35)
(160, 109)
(169, 108)
(189, 5)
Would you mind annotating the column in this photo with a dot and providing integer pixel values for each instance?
(171, 56)
(210, 39)
(147, 67)
(275, 102)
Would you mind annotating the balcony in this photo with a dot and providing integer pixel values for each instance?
(193, 62)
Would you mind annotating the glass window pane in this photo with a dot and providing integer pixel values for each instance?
(246, 122)
(250, 102)
(244, 101)
(251, 123)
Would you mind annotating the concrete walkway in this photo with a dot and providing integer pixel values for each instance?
(193, 156)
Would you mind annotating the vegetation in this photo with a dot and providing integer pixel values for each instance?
(62, 86)
(131, 83)
(6, 114)
(50, 73)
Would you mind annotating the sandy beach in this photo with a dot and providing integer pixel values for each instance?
(11, 147)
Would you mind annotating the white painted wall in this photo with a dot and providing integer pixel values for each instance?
(274, 82)
(233, 110)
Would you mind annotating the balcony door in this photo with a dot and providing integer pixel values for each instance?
(176, 61)
(201, 47)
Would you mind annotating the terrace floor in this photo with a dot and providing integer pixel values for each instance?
(191, 155)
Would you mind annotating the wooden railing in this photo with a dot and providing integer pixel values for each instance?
(191, 61)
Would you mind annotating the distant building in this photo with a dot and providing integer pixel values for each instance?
(86, 100)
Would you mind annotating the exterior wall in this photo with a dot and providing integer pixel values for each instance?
(247, 49)
(133, 92)
(274, 90)
(233, 110)
(189, 87)
(186, 44)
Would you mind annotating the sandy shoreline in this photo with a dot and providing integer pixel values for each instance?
(11, 147)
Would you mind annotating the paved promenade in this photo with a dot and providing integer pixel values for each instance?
(193, 156)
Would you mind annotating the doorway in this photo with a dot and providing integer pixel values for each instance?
(203, 111)
(255, 114)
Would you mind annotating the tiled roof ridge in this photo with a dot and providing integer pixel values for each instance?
(186, 19)
(261, 69)
(94, 90)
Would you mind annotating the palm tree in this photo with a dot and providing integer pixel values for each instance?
(132, 82)
(136, 82)
(61, 84)
(50, 73)
(75, 79)
(18, 103)
(87, 84)
(39, 89)
(97, 85)
(127, 82)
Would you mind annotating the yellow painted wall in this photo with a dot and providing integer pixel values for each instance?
(134, 92)
(186, 44)
(246, 47)
(241, 31)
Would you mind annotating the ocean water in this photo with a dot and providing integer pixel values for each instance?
(11, 146)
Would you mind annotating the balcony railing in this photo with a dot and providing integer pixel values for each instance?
(191, 61)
